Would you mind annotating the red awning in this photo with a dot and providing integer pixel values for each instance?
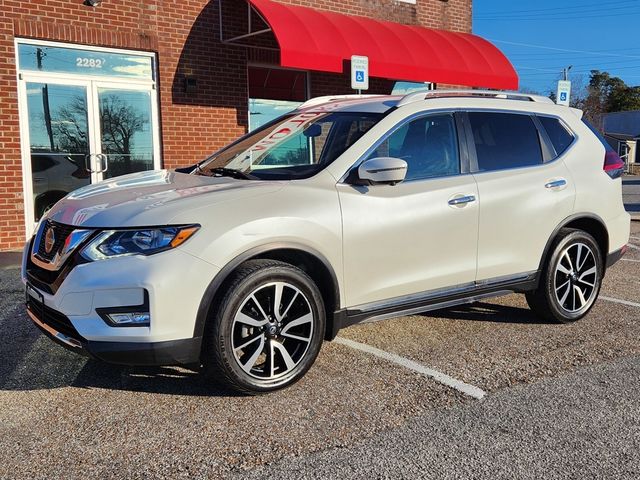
(311, 39)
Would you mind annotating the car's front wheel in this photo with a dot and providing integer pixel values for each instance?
(570, 281)
(267, 329)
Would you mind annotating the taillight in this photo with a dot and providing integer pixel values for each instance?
(613, 164)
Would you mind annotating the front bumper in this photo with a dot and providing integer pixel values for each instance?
(172, 352)
(72, 313)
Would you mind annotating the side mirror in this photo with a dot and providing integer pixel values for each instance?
(382, 170)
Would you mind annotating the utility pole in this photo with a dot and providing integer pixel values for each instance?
(45, 101)
(565, 72)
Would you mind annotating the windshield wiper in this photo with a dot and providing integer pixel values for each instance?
(230, 172)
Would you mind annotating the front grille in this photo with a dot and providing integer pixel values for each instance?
(53, 318)
(60, 232)
(46, 270)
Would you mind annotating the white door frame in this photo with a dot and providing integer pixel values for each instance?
(91, 83)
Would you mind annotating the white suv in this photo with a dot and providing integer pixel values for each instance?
(347, 209)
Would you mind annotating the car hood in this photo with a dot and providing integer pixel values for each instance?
(150, 198)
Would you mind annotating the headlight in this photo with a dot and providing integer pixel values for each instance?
(147, 241)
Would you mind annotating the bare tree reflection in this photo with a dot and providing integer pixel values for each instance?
(119, 122)
(70, 127)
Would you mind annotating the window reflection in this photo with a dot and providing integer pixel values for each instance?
(58, 136)
(83, 62)
(125, 125)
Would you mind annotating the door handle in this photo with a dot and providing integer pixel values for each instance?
(561, 182)
(458, 201)
(104, 162)
(87, 162)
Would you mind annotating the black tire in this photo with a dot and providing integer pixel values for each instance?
(557, 298)
(226, 329)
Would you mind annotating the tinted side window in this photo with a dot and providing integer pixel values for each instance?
(560, 137)
(428, 144)
(505, 140)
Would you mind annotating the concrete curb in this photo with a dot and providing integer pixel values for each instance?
(10, 260)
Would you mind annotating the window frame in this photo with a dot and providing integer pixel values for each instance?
(463, 152)
(547, 151)
(557, 155)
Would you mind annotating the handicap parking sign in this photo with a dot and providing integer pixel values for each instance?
(564, 92)
(359, 72)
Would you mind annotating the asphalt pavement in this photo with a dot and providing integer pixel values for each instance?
(560, 401)
(581, 425)
(631, 195)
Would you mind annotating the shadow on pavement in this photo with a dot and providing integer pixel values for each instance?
(488, 312)
(162, 380)
(31, 361)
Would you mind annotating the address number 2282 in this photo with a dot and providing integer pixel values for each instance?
(85, 62)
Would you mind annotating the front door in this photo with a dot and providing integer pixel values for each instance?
(80, 127)
(417, 236)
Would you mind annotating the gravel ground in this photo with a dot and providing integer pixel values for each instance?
(65, 416)
(495, 344)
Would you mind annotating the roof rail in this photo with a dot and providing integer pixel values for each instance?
(425, 94)
(333, 98)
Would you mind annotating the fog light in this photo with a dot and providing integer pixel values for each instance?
(138, 319)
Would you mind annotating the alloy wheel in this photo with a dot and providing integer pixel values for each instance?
(272, 331)
(576, 278)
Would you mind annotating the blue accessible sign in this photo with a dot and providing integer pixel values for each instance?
(359, 72)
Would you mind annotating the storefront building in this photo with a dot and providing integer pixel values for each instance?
(94, 89)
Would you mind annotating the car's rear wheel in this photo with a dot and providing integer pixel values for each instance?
(570, 280)
(267, 329)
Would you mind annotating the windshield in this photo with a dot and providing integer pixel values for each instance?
(294, 146)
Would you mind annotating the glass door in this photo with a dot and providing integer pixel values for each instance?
(81, 131)
(86, 114)
(60, 141)
(126, 138)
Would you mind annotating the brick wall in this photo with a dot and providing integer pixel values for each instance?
(185, 36)
(454, 15)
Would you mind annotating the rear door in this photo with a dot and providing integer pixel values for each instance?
(419, 235)
(524, 187)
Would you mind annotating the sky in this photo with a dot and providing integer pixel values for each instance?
(543, 37)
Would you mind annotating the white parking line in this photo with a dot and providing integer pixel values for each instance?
(440, 377)
(633, 247)
(630, 260)
(622, 302)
